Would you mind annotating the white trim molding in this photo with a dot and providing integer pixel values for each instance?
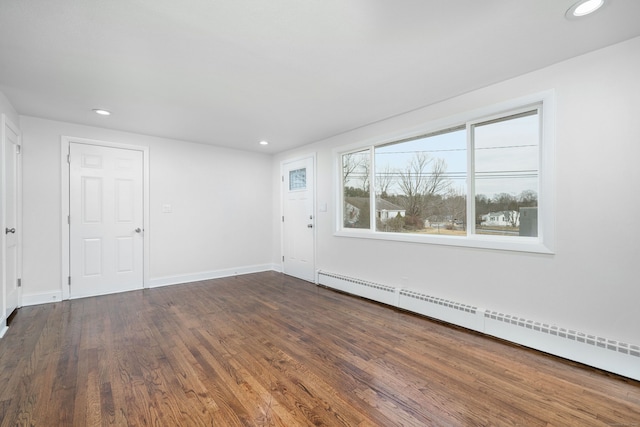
(209, 275)
(41, 298)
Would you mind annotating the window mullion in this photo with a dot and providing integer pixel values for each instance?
(372, 189)
(471, 191)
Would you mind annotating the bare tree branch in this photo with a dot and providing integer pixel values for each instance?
(356, 166)
(419, 183)
(384, 180)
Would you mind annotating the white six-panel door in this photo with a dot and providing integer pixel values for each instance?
(106, 219)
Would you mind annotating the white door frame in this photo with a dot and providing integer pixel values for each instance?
(66, 259)
(311, 156)
(6, 123)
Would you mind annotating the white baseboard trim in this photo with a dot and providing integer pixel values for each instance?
(3, 330)
(208, 275)
(43, 298)
(55, 296)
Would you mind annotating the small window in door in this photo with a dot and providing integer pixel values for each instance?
(298, 179)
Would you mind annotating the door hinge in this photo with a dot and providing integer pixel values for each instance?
(69, 158)
(282, 218)
(18, 149)
(19, 283)
(69, 280)
(282, 178)
(69, 219)
(282, 258)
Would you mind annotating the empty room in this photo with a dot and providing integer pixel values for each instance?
(320, 213)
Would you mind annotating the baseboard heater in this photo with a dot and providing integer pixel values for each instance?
(607, 354)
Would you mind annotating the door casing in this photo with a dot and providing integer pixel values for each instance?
(65, 242)
(16, 206)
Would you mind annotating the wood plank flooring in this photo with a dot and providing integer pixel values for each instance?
(270, 350)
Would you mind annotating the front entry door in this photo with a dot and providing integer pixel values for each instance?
(299, 219)
(11, 165)
(106, 220)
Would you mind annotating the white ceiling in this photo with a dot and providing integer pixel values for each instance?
(234, 72)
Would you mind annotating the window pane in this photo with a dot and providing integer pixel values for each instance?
(421, 184)
(355, 180)
(298, 179)
(506, 162)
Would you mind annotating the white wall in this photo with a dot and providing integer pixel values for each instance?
(221, 203)
(7, 109)
(591, 283)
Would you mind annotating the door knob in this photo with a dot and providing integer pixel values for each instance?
(9, 230)
(138, 230)
(309, 225)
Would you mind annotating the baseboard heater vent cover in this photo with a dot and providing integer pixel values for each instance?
(600, 342)
(366, 289)
(442, 309)
(611, 355)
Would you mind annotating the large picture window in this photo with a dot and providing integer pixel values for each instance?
(477, 183)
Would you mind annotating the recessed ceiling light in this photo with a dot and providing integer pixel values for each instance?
(263, 142)
(583, 8)
(102, 112)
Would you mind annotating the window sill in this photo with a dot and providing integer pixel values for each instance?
(504, 243)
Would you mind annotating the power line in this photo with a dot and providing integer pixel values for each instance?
(497, 147)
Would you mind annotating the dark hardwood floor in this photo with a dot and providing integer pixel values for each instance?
(266, 349)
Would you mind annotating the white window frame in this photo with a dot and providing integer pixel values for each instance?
(543, 243)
